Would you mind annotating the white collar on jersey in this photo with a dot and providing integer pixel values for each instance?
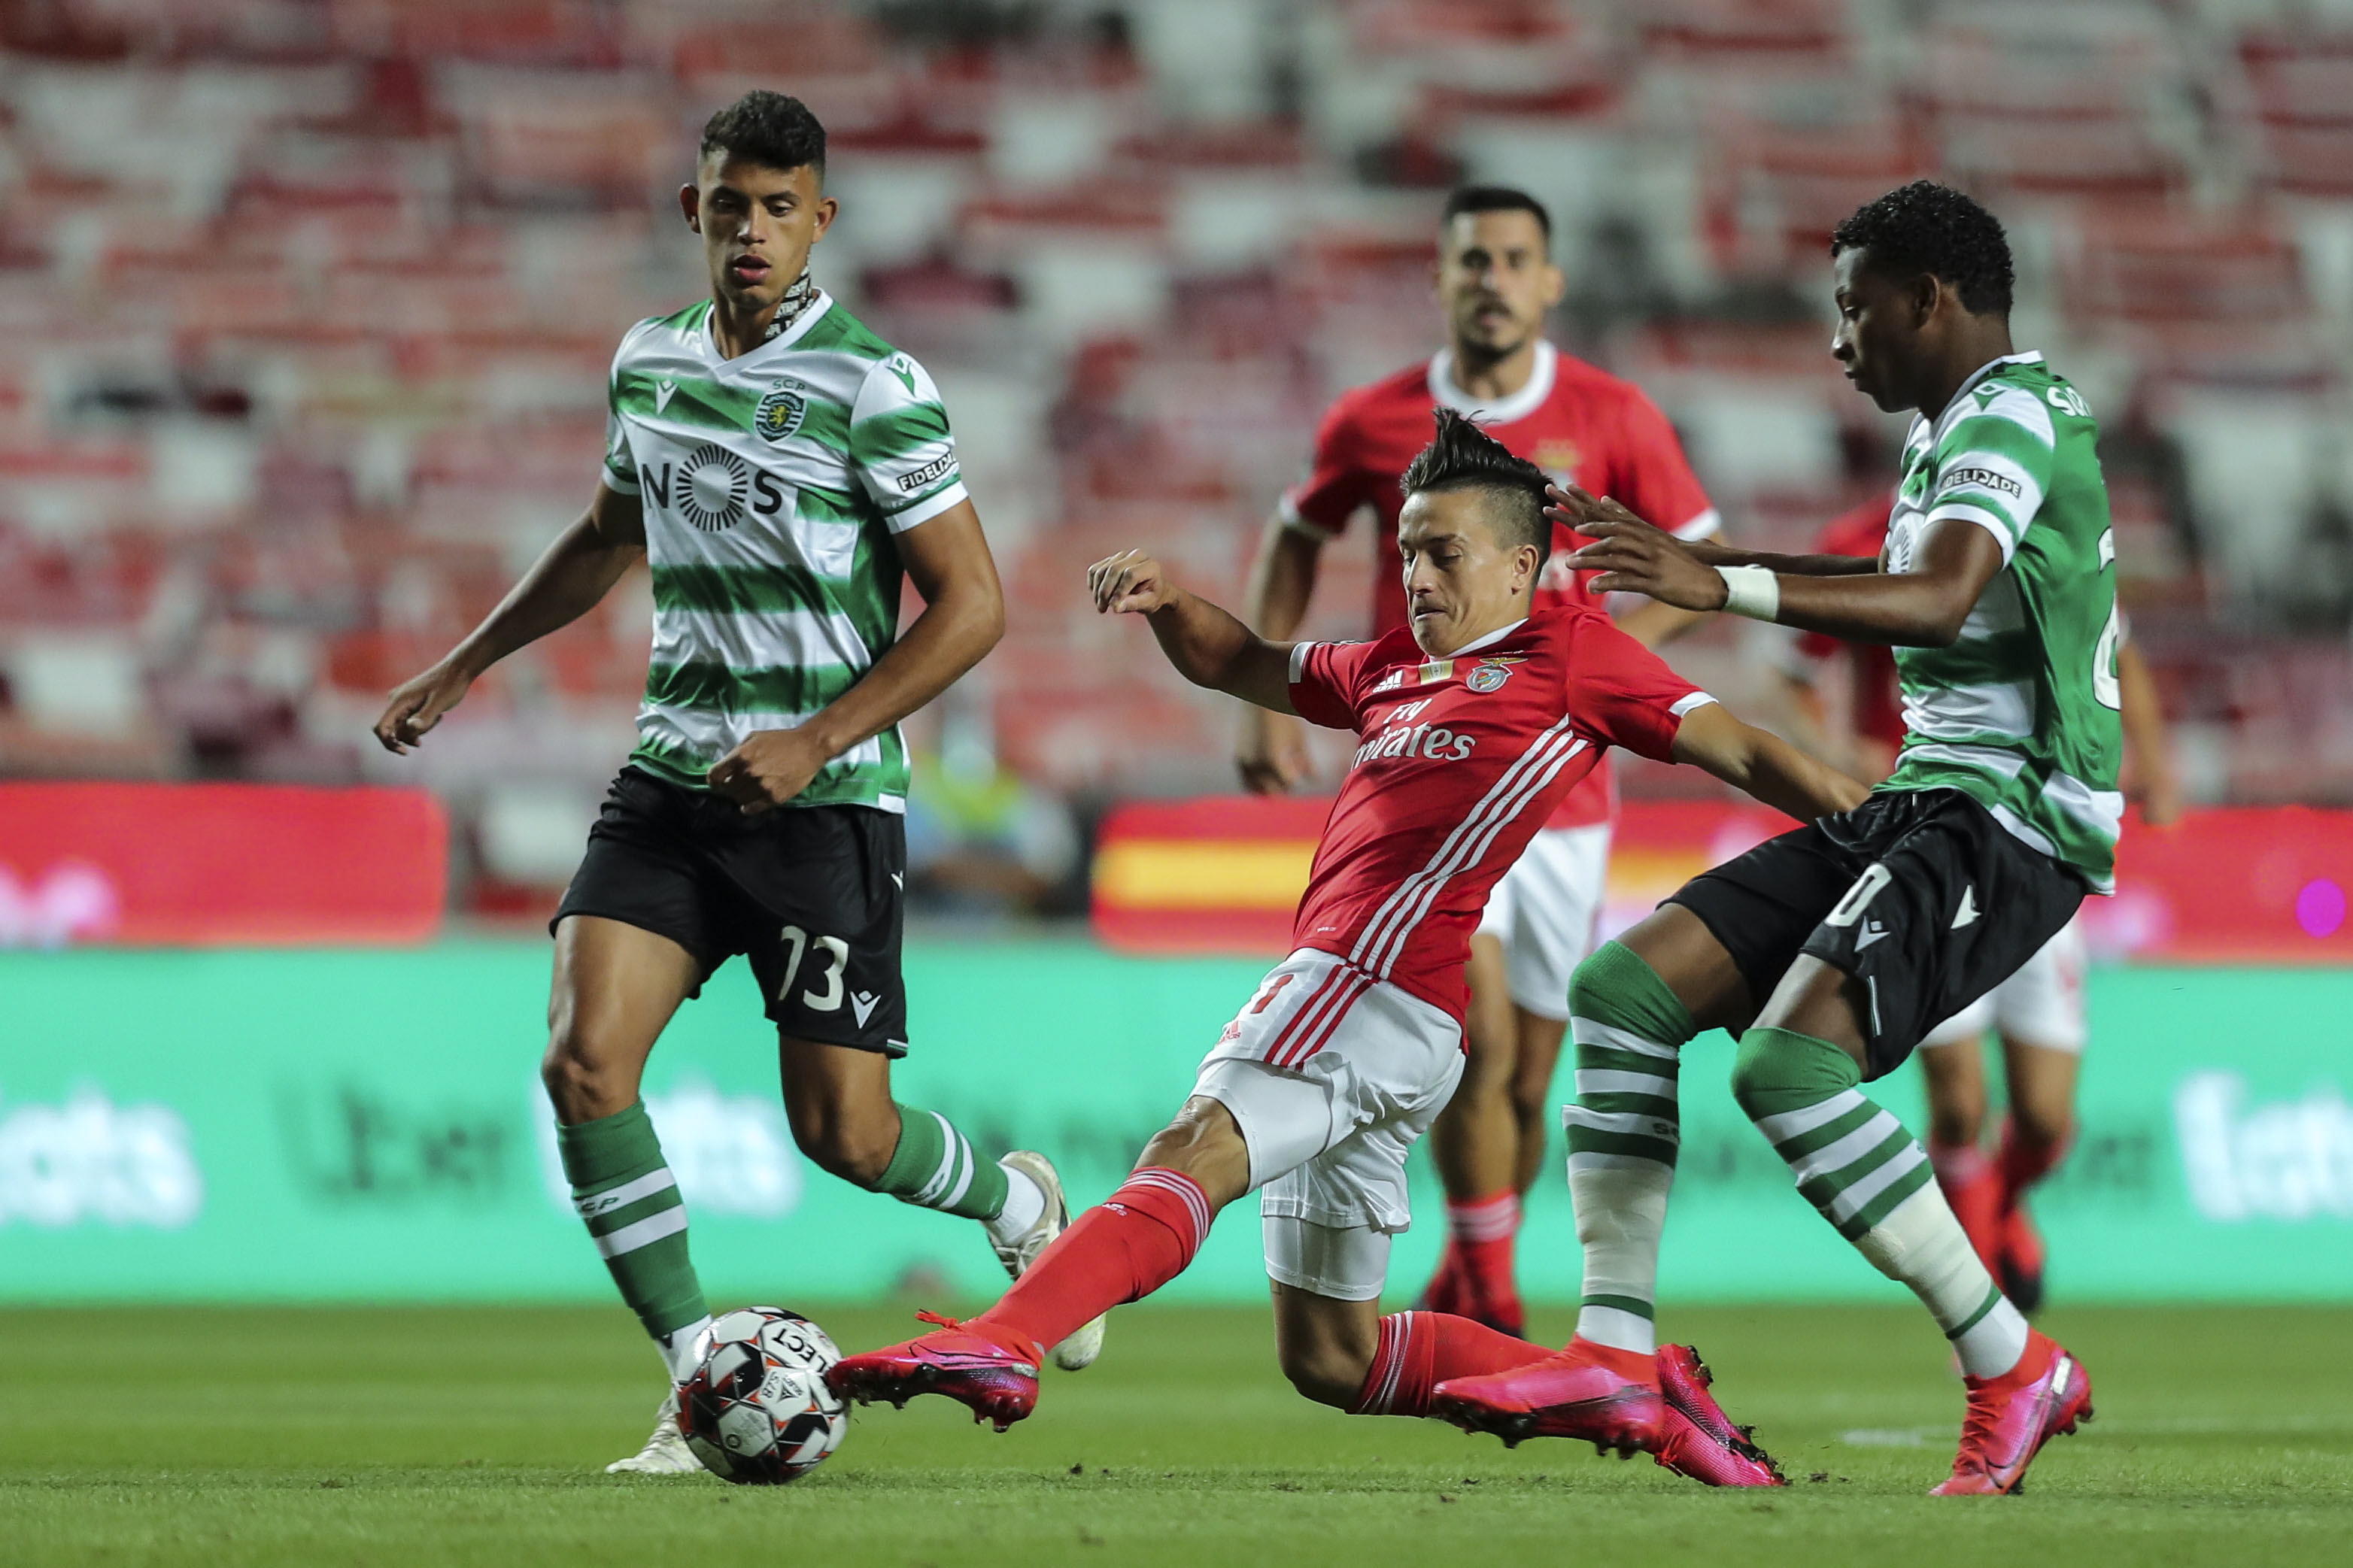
(1503, 411)
(1490, 640)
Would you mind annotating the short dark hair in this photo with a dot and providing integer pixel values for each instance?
(1463, 456)
(1495, 199)
(768, 128)
(1932, 228)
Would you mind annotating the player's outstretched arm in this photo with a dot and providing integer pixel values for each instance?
(1763, 765)
(566, 581)
(1271, 752)
(947, 560)
(1207, 645)
(1847, 596)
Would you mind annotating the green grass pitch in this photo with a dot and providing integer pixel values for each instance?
(165, 1434)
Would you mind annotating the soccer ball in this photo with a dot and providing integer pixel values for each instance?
(757, 1409)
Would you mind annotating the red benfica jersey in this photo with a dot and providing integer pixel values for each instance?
(1576, 423)
(1462, 759)
(1877, 703)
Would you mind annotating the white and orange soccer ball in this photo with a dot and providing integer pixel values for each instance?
(757, 1410)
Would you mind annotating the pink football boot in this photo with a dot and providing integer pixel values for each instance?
(993, 1382)
(2012, 1416)
(1698, 1440)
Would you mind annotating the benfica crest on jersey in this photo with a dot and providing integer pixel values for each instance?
(780, 411)
(1490, 675)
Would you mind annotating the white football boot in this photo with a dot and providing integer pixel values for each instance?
(665, 1452)
(1078, 1351)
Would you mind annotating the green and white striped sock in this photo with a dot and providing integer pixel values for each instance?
(623, 1189)
(1870, 1178)
(1623, 1130)
(934, 1167)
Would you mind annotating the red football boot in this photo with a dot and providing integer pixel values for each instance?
(1588, 1391)
(2012, 1416)
(1698, 1440)
(995, 1384)
(2020, 1272)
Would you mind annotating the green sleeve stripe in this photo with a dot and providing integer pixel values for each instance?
(1996, 433)
(777, 690)
(898, 431)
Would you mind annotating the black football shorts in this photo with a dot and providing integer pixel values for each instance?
(1919, 894)
(812, 895)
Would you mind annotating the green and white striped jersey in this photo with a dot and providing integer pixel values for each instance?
(772, 486)
(2020, 712)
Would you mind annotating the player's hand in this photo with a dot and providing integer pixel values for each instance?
(769, 770)
(1272, 755)
(1130, 584)
(1632, 556)
(417, 704)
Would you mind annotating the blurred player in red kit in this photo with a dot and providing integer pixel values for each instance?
(1474, 721)
(2038, 1013)
(1495, 281)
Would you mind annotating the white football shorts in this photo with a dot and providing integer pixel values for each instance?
(1545, 911)
(2042, 1004)
(1333, 1076)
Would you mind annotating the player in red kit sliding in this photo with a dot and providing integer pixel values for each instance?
(1474, 723)
(1495, 279)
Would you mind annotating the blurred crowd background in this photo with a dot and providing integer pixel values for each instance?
(306, 308)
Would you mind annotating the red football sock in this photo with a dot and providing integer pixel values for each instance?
(1972, 1189)
(1485, 1233)
(1956, 1166)
(1419, 1351)
(1136, 1241)
(2022, 1166)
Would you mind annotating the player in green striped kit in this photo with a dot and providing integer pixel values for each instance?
(1830, 951)
(783, 470)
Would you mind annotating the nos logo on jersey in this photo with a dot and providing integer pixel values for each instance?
(780, 411)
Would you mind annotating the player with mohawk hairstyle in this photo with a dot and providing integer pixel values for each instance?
(1474, 720)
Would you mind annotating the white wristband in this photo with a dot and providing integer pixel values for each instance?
(1751, 591)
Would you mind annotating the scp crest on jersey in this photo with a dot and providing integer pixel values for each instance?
(780, 411)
